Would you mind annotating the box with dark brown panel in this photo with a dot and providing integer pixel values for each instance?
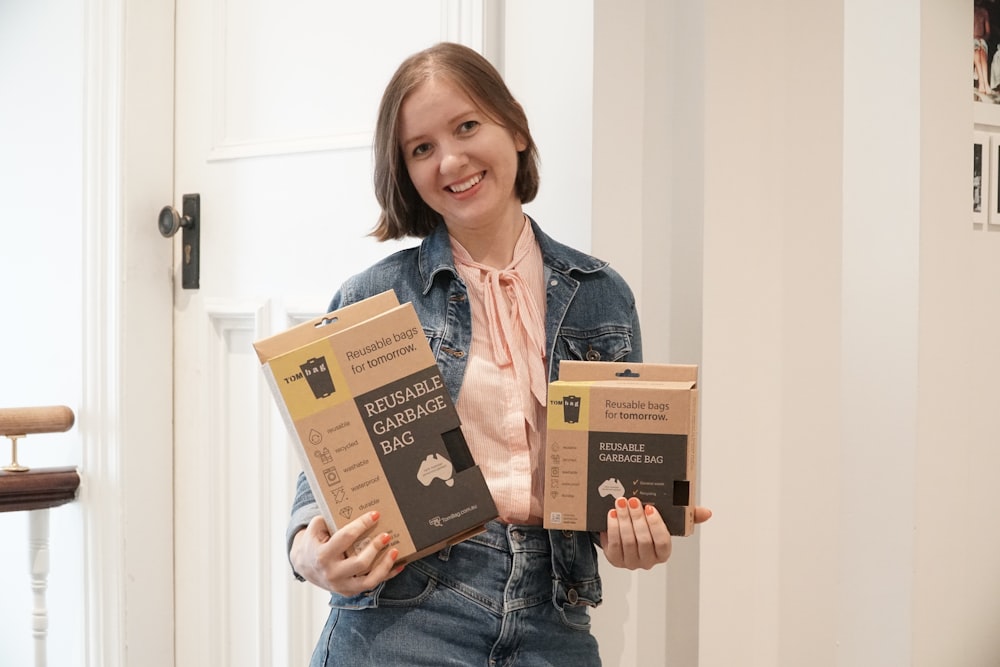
(375, 427)
(621, 430)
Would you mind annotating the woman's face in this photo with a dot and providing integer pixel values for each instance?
(462, 163)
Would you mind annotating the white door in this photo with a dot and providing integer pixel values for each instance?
(275, 105)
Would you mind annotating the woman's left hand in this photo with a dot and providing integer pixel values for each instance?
(637, 537)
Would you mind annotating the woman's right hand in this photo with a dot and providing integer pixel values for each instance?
(329, 561)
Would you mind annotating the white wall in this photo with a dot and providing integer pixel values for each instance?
(880, 291)
(548, 66)
(850, 433)
(956, 580)
(41, 77)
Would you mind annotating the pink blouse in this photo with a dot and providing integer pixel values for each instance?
(502, 401)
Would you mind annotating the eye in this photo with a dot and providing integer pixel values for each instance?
(468, 126)
(420, 149)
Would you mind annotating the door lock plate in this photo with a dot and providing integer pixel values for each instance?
(191, 242)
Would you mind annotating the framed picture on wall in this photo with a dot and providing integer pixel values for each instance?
(993, 192)
(986, 52)
(981, 181)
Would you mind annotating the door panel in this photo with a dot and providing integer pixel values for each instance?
(275, 105)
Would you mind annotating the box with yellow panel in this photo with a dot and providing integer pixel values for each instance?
(375, 427)
(621, 430)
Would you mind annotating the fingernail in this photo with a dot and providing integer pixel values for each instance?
(374, 515)
(397, 570)
(394, 554)
(620, 503)
(649, 510)
(613, 514)
(386, 537)
(634, 503)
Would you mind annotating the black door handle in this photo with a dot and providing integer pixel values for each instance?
(189, 219)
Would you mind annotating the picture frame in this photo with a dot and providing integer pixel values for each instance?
(983, 187)
(985, 52)
(993, 174)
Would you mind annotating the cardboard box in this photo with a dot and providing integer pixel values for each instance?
(375, 426)
(621, 430)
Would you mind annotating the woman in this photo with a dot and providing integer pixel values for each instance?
(501, 304)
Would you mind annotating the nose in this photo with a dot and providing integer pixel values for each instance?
(453, 161)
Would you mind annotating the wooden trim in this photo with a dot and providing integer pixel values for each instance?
(37, 489)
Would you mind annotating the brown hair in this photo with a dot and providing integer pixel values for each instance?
(404, 213)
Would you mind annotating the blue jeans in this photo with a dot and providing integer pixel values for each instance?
(483, 602)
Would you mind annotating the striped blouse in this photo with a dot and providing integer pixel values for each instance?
(502, 401)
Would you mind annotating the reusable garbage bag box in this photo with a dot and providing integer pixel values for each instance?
(375, 427)
(621, 430)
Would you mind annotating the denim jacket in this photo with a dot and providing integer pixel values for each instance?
(590, 315)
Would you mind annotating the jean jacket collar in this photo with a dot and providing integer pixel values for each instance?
(435, 256)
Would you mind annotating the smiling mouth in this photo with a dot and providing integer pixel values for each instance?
(462, 187)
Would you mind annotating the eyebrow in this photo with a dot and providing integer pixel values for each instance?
(471, 110)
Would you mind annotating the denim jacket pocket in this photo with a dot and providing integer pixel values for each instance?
(605, 344)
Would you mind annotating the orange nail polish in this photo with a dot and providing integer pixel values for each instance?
(613, 514)
(649, 510)
(620, 503)
(374, 515)
(394, 554)
(634, 503)
(386, 538)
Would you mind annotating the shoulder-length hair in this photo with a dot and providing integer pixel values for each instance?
(404, 213)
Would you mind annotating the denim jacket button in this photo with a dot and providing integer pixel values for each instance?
(568, 534)
(572, 596)
(593, 355)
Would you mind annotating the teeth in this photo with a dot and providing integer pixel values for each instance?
(462, 187)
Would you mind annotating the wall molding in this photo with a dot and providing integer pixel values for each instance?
(126, 408)
(101, 427)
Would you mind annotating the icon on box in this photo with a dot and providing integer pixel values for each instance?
(318, 376)
(436, 467)
(571, 409)
(331, 476)
(611, 487)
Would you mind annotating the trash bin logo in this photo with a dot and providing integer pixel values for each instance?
(318, 375)
(571, 409)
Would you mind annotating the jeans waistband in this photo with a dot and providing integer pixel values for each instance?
(513, 538)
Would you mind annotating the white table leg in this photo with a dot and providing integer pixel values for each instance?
(38, 554)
